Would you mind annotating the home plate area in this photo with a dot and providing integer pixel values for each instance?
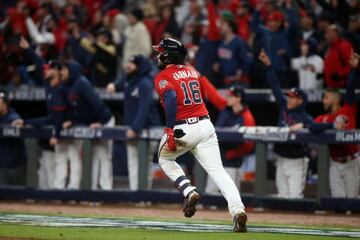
(64, 221)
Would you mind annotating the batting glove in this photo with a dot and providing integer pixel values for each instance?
(170, 139)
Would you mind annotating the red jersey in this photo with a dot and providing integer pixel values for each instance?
(346, 114)
(185, 81)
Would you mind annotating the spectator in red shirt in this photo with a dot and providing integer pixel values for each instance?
(345, 158)
(336, 62)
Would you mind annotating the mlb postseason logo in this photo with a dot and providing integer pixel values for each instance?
(9, 131)
(266, 134)
(162, 84)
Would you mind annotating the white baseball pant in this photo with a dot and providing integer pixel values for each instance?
(200, 138)
(133, 163)
(344, 178)
(234, 173)
(291, 176)
(102, 169)
(46, 169)
(68, 151)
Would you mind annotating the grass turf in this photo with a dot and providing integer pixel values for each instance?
(75, 233)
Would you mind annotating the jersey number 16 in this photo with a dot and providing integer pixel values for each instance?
(191, 87)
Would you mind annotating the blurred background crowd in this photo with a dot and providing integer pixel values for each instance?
(308, 42)
(103, 35)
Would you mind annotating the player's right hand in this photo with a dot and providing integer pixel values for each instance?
(170, 139)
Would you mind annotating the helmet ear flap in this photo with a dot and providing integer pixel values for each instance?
(164, 58)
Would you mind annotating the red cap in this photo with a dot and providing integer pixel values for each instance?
(276, 16)
(113, 12)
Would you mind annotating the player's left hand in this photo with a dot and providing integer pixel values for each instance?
(95, 125)
(170, 139)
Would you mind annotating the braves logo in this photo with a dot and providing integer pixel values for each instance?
(135, 92)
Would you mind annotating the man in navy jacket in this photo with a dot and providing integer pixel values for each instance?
(139, 111)
(233, 56)
(12, 150)
(51, 165)
(277, 40)
(50, 170)
(292, 158)
(86, 108)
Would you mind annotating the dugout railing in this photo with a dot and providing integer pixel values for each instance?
(26, 93)
(261, 135)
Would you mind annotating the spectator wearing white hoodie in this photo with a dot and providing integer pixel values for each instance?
(309, 66)
(138, 41)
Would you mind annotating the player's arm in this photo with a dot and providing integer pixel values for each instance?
(30, 55)
(316, 126)
(38, 122)
(213, 17)
(211, 93)
(255, 23)
(169, 98)
(350, 96)
(168, 95)
(272, 80)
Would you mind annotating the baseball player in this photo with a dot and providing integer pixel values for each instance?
(237, 114)
(57, 114)
(292, 161)
(188, 128)
(86, 108)
(139, 113)
(50, 171)
(345, 158)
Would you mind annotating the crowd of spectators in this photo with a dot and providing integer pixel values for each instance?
(309, 42)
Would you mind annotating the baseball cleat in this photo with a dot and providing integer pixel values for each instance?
(190, 204)
(240, 222)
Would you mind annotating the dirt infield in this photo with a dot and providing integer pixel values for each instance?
(174, 212)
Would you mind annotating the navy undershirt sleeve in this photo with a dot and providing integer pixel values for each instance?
(169, 98)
